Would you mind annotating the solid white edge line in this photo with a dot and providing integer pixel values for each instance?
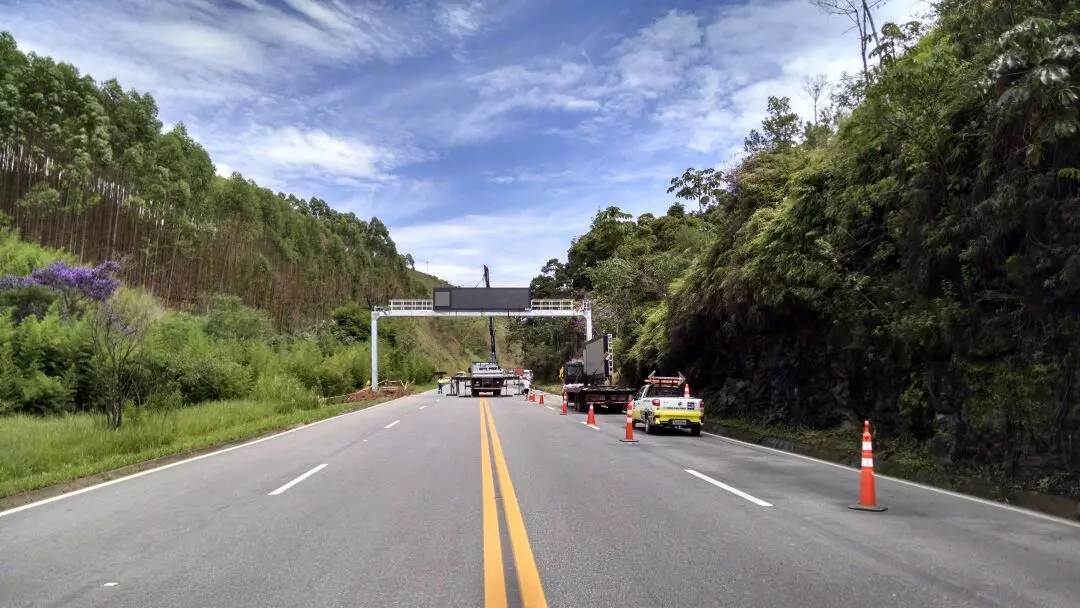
(723, 486)
(593, 427)
(297, 480)
(983, 501)
(550, 408)
(391, 424)
(422, 406)
(163, 467)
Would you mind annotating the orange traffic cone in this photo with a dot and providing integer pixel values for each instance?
(867, 496)
(629, 421)
(686, 391)
(532, 396)
(564, 404)
(591, 420)
(541, 398)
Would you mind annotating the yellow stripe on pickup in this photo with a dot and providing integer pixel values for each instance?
(662, 416)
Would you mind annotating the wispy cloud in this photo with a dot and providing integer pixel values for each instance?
(654, 60)
(500, 93)
(289, 148)
(461, 20)
(528, 175)
(396, 201)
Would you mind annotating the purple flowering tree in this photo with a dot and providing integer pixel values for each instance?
(75, 285)
(117, 322)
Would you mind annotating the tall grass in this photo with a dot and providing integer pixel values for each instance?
(36, 452)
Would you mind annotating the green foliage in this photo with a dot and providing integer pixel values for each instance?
(20, 258)
(229, 318)
(33, 300)
(626, 267)
(781, 129)
(133, 354)
(351, 323)
(915, 261)
(284, 391)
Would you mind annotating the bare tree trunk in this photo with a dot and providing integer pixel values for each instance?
(869, 15)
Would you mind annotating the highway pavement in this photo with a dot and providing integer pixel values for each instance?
(447, 501)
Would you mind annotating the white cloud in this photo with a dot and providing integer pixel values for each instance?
(533, 176)
(208, 46)
(460, 20)
(505, 91)
(197, 55)
(654, 60)
(322, 15)
(290, 148)
(747, 53)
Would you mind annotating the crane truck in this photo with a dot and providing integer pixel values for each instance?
(587, 379)
(486, 377)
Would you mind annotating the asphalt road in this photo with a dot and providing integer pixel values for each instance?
(428, 501)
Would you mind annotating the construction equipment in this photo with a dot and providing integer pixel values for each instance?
(491, 320)
(587, 380)
(486, 377)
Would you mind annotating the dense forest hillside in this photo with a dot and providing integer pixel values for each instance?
(910, 255)
(131, 275)
(86, 167)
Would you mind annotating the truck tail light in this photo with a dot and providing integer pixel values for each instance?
(701, 405)
(656, 402)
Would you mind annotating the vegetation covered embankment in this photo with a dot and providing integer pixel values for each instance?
(908, 255)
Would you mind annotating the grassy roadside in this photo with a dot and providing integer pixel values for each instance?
(41, 452)
(550, 389)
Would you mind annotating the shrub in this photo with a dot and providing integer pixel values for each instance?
(228, 317)
(285, 392)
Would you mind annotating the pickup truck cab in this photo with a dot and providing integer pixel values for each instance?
(661, 403)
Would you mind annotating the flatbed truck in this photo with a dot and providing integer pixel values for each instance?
(587, 380)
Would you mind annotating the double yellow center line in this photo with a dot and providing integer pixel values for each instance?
(532, 592)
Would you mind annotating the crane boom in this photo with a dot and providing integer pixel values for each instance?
(491, 320)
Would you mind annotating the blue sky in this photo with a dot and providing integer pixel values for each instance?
(480, 131)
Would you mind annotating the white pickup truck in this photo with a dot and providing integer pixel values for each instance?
(662, 402)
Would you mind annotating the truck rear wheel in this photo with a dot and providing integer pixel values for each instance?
(695, 430)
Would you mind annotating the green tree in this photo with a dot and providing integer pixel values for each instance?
(780, 128)
(352, 323)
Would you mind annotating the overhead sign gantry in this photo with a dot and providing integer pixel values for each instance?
(476, 302)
